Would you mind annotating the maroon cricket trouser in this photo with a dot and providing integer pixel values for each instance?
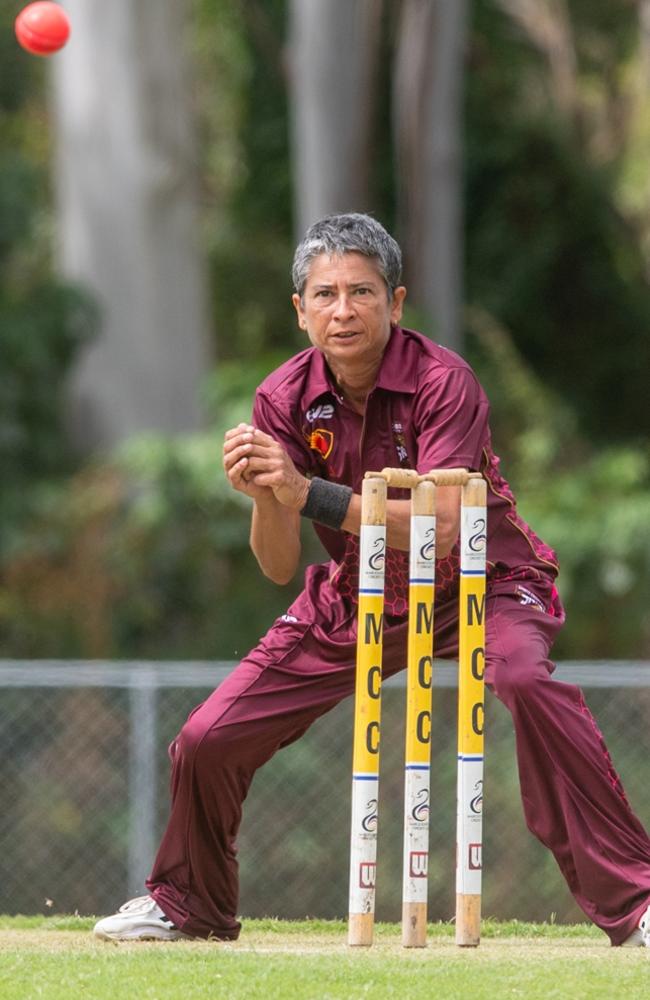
(572, 798)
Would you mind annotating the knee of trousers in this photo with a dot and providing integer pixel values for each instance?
(203, 743)
(517, 679)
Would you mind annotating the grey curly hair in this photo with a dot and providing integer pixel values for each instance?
(352, 232)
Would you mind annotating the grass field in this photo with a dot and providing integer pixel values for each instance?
(58, 959)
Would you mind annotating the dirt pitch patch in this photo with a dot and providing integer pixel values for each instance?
(264, 943)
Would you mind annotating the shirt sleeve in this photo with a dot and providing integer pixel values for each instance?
(273, 421)
(451, 421)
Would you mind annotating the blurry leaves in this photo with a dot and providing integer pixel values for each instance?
(147, 553)
(549, 252)
(535, 424)
(41, 329)
(43, 322)
(146, 556)
(19, 70)
(241, 106)
(591, 504)
(230, 390)
(18, 189)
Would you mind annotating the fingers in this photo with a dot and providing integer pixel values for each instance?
(237, 447)
(246, 434)
(260, 450)
(242, 430)
(253, 459)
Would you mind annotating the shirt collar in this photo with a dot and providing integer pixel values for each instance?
(397, 372)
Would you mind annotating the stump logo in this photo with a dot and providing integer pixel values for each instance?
(369, 821)
(428, 550)
(377, 556)
(478, 539)
(420, 811)
(476, 804)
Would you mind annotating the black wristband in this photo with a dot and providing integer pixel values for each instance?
(327, 503)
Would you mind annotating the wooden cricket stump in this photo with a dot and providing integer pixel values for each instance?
(419, 712)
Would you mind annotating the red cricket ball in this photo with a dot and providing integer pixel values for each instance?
(42, 28)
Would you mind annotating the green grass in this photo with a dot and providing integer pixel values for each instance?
(58, 959)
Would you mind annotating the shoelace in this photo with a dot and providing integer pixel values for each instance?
(141, 904)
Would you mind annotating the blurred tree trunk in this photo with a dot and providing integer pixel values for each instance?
(427, 113)
(128, 207)
(333, 58)
(547, 23)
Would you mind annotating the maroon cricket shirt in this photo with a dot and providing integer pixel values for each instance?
(427, 411)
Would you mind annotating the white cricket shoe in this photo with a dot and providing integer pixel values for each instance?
(140, 919)
(640, 938)
(644, 927)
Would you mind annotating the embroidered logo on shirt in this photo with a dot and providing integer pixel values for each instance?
(322, 441)
(400, 444)
(324, 411)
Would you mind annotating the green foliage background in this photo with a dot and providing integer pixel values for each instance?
(42, 321)
(146, 555)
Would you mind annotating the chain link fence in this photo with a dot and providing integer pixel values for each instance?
(84, 791)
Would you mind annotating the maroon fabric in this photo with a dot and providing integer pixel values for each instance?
(573, 800)
(427, 411)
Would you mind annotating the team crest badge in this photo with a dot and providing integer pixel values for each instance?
(321, 441)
